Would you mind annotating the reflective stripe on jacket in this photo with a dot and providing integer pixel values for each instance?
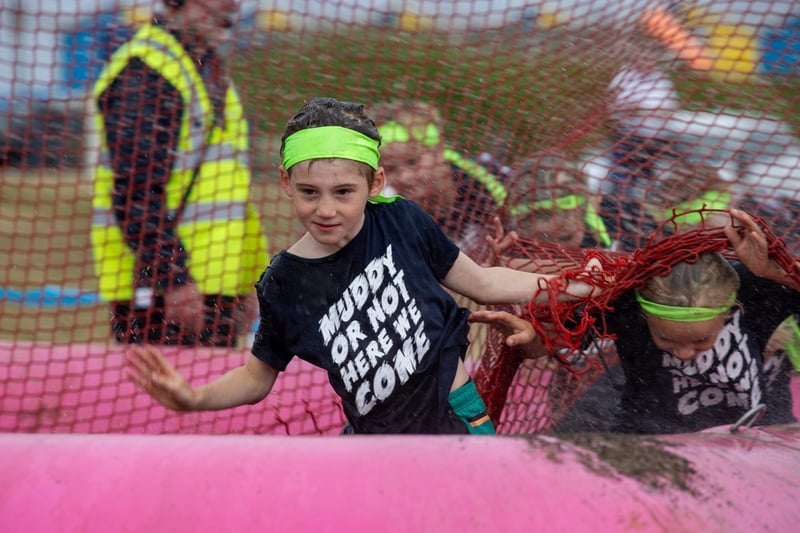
(491, 182)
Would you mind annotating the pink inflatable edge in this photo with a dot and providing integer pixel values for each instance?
(709, 481)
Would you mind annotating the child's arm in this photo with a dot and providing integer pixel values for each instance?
(753, 252)
(247, 384)
(500, 285)
(503, 241)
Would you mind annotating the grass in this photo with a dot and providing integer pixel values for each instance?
(486, 89)
(530, 92)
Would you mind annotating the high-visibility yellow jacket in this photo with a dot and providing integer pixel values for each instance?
(220, 230)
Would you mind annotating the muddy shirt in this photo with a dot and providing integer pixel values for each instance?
(374, 316)
(663, 394)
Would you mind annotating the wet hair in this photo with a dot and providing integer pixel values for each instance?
(707, 282)
(319, 112)
(781, 338)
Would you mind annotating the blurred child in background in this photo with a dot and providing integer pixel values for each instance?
(549, 200)
(657, 164)
(462, 193)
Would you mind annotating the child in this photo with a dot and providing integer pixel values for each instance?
(359, 294)
(657, 165)
(550, 202)
(682, 187)
(692, 343)
(461, 193)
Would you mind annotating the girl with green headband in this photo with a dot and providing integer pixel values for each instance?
(361, 294)
(692, 343)
(681, 187)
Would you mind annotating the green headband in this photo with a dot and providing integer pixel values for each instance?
(394, 132)
(330, 142)
(683, 314)
(565, 203)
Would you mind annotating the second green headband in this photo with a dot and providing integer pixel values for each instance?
(683, 314)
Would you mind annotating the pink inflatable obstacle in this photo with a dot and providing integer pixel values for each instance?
(82, 388)
(709, 481)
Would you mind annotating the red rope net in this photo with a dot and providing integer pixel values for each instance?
(564, 326)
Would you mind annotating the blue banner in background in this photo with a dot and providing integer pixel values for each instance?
(781, 50)
(56, 296)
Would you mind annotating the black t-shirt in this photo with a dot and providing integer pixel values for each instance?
(663, 394)
(374, 316)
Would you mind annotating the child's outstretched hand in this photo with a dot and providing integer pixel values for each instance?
(152, 372)
(517, 330)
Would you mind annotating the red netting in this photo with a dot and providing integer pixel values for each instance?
(650, 105)
(565, 326)
(572, 320)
